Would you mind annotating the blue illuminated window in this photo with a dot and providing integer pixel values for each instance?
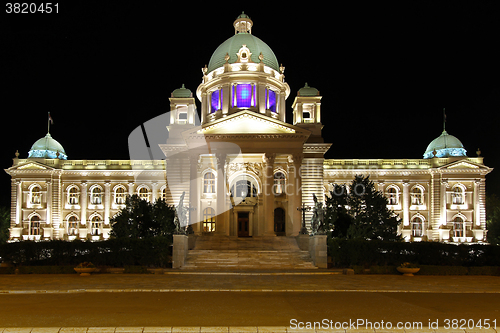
(271, 100)
(215, 103)
(245, 97)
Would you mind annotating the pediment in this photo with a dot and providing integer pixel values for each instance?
(463, 164)
(31, 166)
(247, 122)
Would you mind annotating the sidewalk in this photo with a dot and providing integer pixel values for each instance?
(179, 281)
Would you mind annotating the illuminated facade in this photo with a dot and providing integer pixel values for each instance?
(252, 192)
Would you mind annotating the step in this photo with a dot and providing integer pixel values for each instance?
(229, 253)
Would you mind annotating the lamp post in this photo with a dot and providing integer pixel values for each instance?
(304, 209)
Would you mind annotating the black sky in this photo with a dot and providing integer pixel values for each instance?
(385, 71)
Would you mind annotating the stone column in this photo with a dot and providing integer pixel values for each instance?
(194, 199)
(83, 203)
(268, 193)
(221, 226)
(131, 189)
(297, 193)
(406, 203)
(107, 202)
(477, 210)
(18, 203)
(154, 193)
(48, 198)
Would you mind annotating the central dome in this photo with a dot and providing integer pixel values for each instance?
(242, 37)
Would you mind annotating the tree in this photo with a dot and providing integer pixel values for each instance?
(4, 224)
(493, 219)
(142, 219)
(360, 212)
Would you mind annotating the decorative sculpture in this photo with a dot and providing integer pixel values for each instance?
(317, 225)
(180, 219)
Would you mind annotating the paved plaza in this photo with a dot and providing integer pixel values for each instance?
(245, 302)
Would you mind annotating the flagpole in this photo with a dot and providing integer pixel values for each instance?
(48, 123)
(444, 119)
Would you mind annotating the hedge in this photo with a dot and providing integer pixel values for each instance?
(349, 253)
(151, 252)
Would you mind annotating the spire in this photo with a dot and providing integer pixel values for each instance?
(243, 24)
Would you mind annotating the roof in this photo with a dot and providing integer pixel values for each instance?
(308, 91)
(233, 44)
(182, 92)
(445, 145)
(47, 147)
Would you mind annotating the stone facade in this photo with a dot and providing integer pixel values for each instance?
(244, 170)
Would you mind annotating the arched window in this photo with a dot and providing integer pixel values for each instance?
(73, 195)
(208, 220)
(243, 188)
(458, 227)
(36, 195)
(417, 227)
(72, 225)
(35, 225)
(209, 183)
(279, 183)
(164, 194)
(392, 195)
(144, 193)
(95, 226)
(417, 196)
(458, 195)
(120, 195)
(96, 195)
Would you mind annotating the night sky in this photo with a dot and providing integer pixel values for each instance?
(385, 70)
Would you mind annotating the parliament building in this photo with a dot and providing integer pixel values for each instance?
(244, 170)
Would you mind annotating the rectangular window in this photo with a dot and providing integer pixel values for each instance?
(243, 96)
(215, 101)
(271, 100)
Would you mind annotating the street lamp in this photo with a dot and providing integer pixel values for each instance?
(304, 208)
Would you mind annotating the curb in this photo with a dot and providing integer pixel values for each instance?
(72, 291)
(224, 329)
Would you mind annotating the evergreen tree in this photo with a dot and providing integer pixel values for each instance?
(4, 224)
(361, 212)
(493, 219)
(142, 219)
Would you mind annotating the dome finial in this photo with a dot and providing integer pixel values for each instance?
(243, 24)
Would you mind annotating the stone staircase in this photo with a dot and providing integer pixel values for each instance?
(255, 253)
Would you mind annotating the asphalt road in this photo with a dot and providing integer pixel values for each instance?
(241, 308)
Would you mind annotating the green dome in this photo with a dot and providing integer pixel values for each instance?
(445, 146)
(182, 92)
(308, 91)
(47, 147)
(232, 45)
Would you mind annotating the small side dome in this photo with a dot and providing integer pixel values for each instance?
(47, 147)
(445, 146)
(182, 92)
(308, 91)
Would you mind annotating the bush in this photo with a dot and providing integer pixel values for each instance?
(349, 253)
(154, 252)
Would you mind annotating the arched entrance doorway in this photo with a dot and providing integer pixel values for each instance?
(279, 222)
